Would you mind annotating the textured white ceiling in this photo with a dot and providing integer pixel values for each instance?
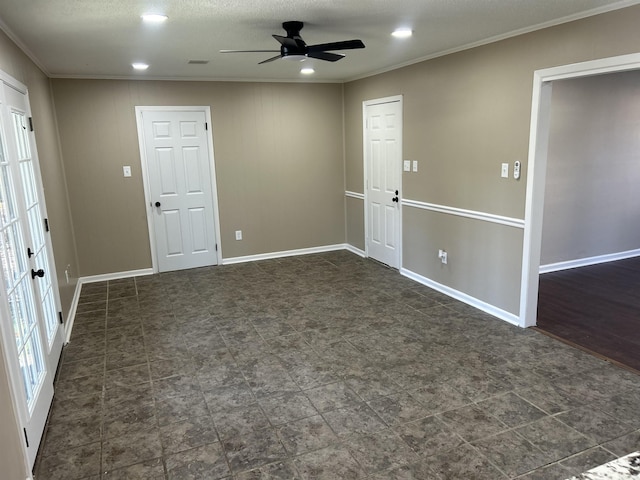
(101, 38)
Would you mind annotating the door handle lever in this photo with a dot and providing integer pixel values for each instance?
(39, 273)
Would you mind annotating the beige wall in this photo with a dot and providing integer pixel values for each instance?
(278, 157)
(593, 168)
(16, 64)
(465, 114)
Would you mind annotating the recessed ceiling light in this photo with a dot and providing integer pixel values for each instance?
(402, 32)
(140, 66)
(154, 17)
(307, 71)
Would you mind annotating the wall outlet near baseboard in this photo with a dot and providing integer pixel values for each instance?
(442, 255)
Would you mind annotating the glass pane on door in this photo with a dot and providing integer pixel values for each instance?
(18, 288)
(44, 291)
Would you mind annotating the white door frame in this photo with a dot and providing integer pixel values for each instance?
(365, 104)
(537, 166)
(145, 175)
(12, 367)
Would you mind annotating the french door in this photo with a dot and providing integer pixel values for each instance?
(29, 302)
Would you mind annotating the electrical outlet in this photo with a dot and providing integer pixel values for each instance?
(415, 165)
(238, 234)
(442, 255)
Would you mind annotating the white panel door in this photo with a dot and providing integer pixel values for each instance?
(383, 151)
(179, 164)
(31, 332)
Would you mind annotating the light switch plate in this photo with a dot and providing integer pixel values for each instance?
(407, 166)
(505, 170)
(126, 170)
(415, 165)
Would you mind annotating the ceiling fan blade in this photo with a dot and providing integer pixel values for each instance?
(328, 56)
(288, 42)
(270, 59)
(249, 51)
(345, 45)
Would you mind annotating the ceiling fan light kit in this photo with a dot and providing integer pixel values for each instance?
(293, 47)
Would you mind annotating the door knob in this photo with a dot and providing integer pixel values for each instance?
(394, 199)
(39, 273)
(157, 204)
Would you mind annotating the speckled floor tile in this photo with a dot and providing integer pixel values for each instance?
(464, 463)
(359, 418)
(428, 436)
(149, 470)
(130, 448)
(253, 449)
(71, 463)
(511, 453)
(332, 396)
(380, 451)
(275, 471)
(305, 435)
(555, 438)
(472, 423)
(201, 463)
(595, 424)
(398, 408)
(329, 463)
(180, 436)
(270, 369)
(287, 408)
(511, 409)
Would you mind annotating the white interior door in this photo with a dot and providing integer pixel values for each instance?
(383, 151)
(31, 332)
(179, 165)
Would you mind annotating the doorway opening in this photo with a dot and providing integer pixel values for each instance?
(537, 167)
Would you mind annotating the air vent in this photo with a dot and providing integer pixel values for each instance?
(198, 62)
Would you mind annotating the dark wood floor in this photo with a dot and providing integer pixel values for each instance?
(595, 307)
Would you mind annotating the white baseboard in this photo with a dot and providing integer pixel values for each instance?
(463, 297)
(585, 262)
(286, 253)
(68, 325)
(355, 250)
(116, 275)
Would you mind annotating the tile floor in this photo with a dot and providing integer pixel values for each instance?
(323, 366)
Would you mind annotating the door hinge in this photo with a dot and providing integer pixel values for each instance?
(206, 126)
(31, 124)
(26, 438)
(216, 247)
(46, 224)
(60, 318)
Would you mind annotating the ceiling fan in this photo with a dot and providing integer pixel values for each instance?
(293, 47)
